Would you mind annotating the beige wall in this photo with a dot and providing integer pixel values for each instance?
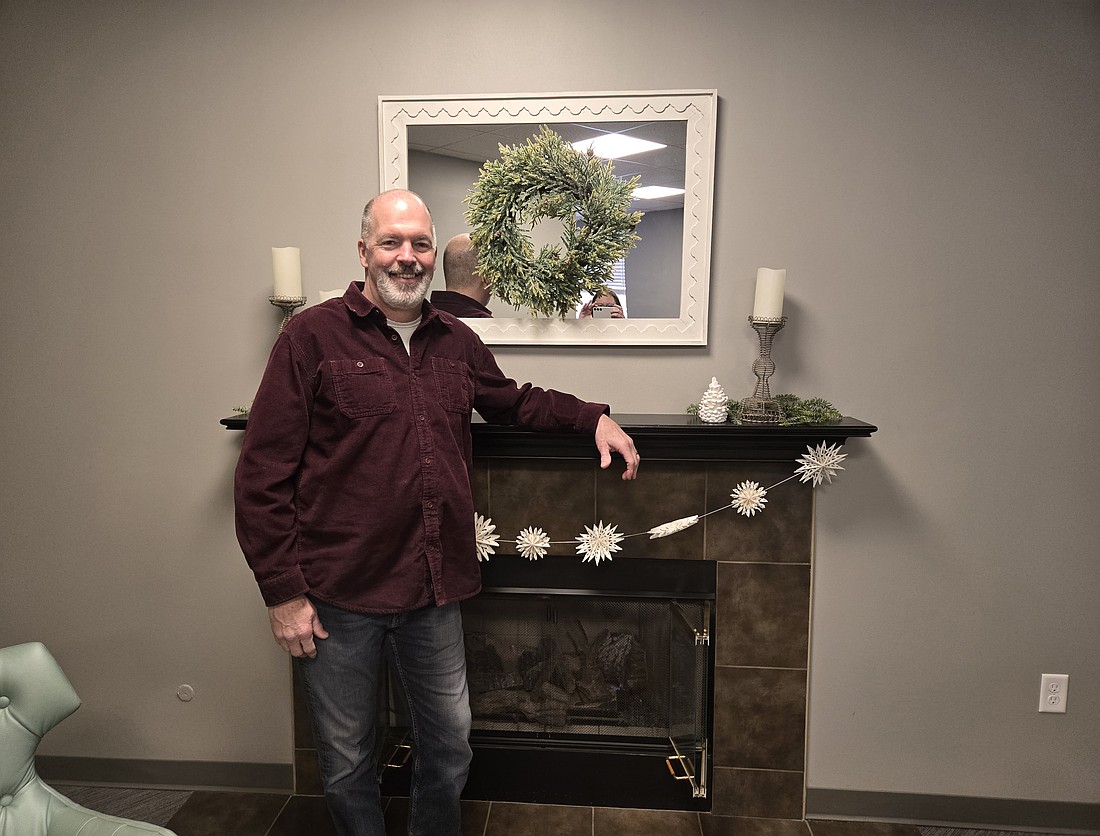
(927, 172)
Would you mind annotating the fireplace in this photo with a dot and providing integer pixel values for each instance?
(751, 761)
(587, 687)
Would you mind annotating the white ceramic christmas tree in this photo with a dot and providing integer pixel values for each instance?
(714, 406)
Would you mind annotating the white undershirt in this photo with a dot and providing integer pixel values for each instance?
(405, 329)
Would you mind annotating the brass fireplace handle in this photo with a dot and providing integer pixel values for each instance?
(684, 763)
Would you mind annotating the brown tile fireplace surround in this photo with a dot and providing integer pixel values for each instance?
(764, 569)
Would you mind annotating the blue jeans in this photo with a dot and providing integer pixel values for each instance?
(341, 684)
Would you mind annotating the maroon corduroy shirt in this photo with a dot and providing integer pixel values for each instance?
(459, 304)
(353, 482)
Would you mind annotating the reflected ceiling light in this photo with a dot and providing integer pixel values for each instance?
(616, 146)
(654, 192)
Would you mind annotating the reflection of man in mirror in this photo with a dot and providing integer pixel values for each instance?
(466, 293)
(604, 306)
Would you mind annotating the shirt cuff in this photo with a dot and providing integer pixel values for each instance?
(589, 417)
(281, 588)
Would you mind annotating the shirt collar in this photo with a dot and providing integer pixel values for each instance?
(358, 303)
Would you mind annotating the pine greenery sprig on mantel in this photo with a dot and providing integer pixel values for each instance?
(547, 178)
(808, 411)
(796, 411)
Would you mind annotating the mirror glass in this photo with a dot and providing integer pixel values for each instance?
(436, 147)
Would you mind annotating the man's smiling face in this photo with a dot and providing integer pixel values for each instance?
(399, 256)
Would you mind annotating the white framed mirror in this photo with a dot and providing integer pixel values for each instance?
(436, 145)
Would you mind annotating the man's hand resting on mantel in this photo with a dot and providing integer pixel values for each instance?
(611, 438)
(295, 624)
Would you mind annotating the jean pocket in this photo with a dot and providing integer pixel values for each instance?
(363, 387)
(452, 382)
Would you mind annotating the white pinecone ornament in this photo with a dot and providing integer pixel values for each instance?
(713, 407)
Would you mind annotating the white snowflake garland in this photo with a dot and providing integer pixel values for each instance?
(484, 539)
(532, 543)
(597, 543)
(820, 463)
(672, 527)
(748, 498)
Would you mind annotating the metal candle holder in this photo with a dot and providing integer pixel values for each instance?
(288, 304)
(762, 408)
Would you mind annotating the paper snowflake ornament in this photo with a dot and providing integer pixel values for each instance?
(820, 463)
(484, 538)
(748, 498)
(597, 543)
(714, 406)
(672, 527)
(532, 543)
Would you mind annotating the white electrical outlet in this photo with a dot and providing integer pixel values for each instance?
(1053, 693)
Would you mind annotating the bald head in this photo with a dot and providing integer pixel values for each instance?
(401, 199)
(460, 269)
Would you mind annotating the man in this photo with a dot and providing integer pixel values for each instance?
(354, 510)
(466, 294)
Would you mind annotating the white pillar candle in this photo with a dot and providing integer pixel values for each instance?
(769, 293)
(286, 263)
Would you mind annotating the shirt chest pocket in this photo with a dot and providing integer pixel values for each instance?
(452, 382)
(363, 387)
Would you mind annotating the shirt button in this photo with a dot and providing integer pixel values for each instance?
(430, 504)
(360, 364)
(427, 461)
(393, 337)
(6, 800)
(4, 702)
(421, 417)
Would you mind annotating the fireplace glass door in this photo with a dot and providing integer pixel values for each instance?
(596, 673)
(580, 695)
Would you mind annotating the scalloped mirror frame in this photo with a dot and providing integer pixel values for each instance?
(695, 107)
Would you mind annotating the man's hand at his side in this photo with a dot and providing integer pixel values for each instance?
(610, 437)
(294, 624)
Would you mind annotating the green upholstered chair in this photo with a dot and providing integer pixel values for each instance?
(34, 697)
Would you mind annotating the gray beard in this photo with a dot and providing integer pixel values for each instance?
(400, 298)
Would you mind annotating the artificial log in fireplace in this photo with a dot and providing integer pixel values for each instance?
(756, 751)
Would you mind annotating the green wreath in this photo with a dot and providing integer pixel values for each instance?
(547, 178)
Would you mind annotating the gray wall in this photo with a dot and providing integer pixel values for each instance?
(927, 173)
(653, 267)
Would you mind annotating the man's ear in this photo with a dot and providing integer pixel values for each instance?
(362, 252)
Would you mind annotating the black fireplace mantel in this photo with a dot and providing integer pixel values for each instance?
(682, 437)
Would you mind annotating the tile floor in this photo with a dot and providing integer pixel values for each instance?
(218, 813)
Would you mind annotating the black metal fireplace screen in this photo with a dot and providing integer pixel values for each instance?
(590, 685)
